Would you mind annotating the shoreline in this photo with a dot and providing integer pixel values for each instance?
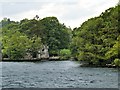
(32, 60)
(43, 60)
(98, 66)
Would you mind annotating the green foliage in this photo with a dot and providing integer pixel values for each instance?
(95, 41)
(113, 52)
(50, 31)
(28, 36)
(117, 62)
(15, 45)
(57, 35)
(65, 53)
(36, 45)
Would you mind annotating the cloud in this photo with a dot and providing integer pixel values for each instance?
(72, 13)
(50, 9)
(38, 1)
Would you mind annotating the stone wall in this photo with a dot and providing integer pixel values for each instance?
(43, 53)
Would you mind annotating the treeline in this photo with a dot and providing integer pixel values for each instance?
(97, 41)
(28, 36)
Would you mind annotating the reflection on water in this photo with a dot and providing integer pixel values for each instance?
(56, 74)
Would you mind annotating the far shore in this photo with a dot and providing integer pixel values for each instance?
(51, 59)
(33, 59)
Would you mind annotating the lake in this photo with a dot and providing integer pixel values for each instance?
(56, 74)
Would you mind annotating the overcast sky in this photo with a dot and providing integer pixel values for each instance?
(71, 12)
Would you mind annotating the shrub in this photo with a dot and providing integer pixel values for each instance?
(65, 53)
(117, 62)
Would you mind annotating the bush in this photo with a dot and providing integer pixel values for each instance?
(65, 54)
(117, 62)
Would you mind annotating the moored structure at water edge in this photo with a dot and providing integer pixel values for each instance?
(43, 53)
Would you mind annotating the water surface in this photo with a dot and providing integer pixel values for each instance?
(56, 74)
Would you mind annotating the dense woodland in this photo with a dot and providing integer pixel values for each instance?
(95, 42)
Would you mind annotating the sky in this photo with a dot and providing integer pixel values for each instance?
(70, 12)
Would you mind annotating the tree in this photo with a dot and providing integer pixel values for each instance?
(15, 45)
(36, 45)
(94, 41)
(38, 32)
(57, 36)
